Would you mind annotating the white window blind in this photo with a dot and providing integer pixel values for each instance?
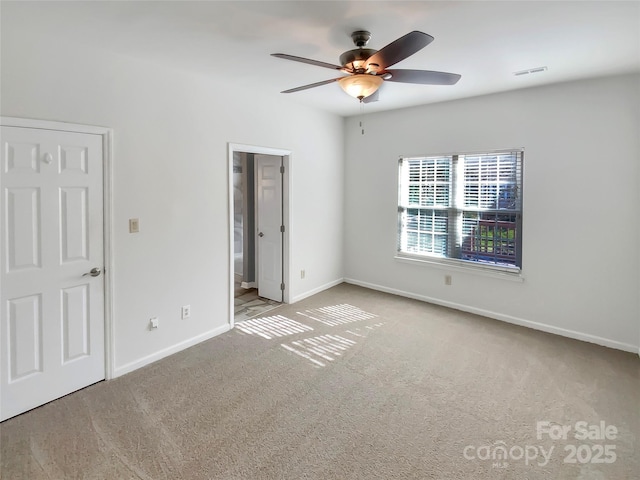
(464, 206)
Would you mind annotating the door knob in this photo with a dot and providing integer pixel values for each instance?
(261, 234)
(94, 272)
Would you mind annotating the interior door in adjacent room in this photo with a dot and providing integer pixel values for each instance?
(269, 225)
(52, 281)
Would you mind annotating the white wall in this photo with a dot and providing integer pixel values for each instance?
(170, 170)
(581, 227)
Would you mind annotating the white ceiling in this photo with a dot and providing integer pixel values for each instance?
(484, 41)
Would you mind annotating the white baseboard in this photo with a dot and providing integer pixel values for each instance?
(585, 337)
(319, 289)
(248, 285)
(154, 357)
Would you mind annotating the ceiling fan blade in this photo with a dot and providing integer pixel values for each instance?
(306, 60)
(311, 85)
(400, 49)
(423, 77)
(374, 97)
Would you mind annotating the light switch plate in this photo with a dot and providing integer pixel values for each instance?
(134, 225)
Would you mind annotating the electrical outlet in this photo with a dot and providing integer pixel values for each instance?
(186, 311)
(153, 323)
(302, 274)
(447, 279)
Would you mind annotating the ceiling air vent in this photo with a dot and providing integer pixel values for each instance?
(531, 70)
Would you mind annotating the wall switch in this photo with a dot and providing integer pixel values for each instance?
(301, 273)
(185, 312)
(153, 323)
(134, 225)
(447, 279)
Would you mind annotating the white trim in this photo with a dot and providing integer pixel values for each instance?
(286, 198)
(165, 352)
(239, 147)
(459, 266)
(54, 125)
(230, 230)
(467, 153)
(316, 290)
(563, 332)
(109, 326)
(107, 164)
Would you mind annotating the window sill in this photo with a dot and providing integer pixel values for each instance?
(452, 265)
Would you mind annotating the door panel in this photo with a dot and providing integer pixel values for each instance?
(25, 337)
(23, 228)
(75, 322)
(51, 313)
(74, 234)
(269, 221)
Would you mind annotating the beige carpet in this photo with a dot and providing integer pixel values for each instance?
(348, 384)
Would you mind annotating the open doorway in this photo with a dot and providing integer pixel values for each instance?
(259, 212)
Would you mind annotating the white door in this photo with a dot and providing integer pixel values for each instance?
(52, 309)
(268, 223)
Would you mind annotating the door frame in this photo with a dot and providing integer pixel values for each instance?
(107, 207)
(286, 216)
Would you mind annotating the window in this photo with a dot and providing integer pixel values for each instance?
(462, 207)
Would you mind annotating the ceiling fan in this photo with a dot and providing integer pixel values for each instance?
(367, 69)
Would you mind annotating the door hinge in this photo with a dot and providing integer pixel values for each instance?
(282, 228)
(282, 286)
(282, 169)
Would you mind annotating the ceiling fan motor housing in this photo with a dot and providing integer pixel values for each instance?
(356, 59)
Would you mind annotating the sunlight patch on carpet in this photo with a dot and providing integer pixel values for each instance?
(320, 350)
(272, 327)
(362, 332)
(337, 314)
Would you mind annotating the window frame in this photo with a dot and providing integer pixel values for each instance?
(456, 213)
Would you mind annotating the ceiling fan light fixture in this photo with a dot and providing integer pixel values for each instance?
(360, 85)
